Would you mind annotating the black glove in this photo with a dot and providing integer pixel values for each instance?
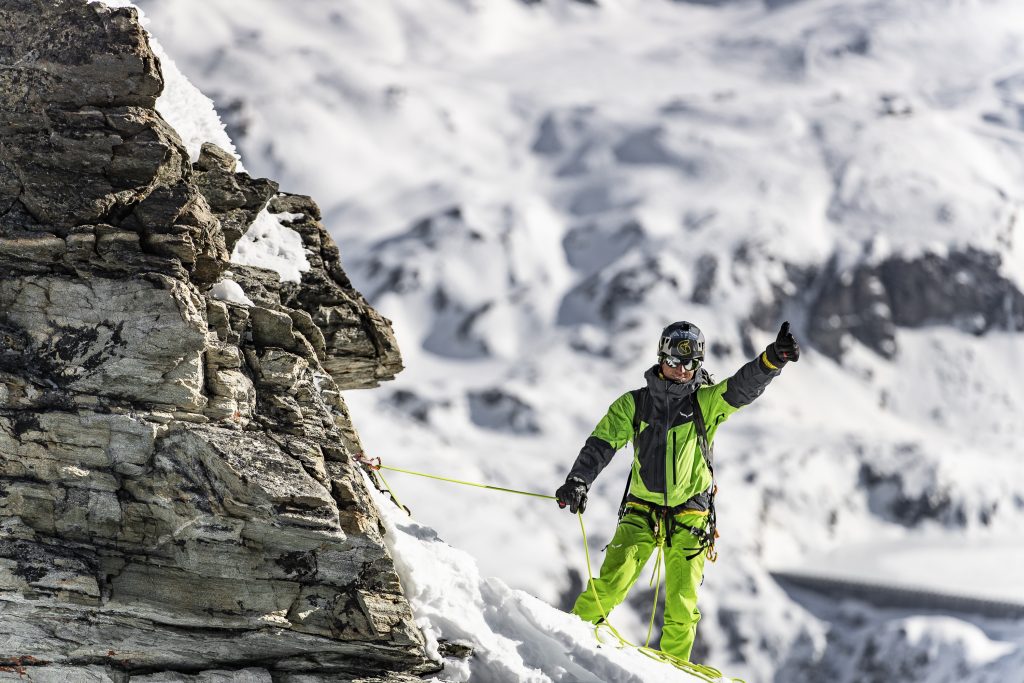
(784, 348)
(572, 493)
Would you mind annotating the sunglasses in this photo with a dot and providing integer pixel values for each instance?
(689, 364)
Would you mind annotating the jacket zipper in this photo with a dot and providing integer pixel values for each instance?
(673, 467)
(674, 477)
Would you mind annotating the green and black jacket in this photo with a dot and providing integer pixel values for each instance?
(668, 468)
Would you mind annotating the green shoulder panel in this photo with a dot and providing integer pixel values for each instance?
(616, 427)
(713, 407)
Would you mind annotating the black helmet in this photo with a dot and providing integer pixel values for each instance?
(681, 340)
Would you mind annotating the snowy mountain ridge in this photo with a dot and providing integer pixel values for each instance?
(532, 191)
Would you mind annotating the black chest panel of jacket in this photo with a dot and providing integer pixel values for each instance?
(653, 441)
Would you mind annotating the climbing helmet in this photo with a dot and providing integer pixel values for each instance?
(681, 343)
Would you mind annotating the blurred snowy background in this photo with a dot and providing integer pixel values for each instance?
(532, 190)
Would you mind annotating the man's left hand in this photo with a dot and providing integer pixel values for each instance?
(785, 347)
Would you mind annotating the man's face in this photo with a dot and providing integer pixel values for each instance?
(677, 374)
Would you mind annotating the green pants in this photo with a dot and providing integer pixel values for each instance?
(626, 555)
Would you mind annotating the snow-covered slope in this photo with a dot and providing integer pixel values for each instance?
(532, 190)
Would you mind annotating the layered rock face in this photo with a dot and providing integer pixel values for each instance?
(177, 497)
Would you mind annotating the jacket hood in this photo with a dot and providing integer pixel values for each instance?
(665, 392)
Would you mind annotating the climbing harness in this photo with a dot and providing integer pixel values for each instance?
(664, 522)
(700, 671)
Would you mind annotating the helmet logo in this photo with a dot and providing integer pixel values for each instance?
(684, 347)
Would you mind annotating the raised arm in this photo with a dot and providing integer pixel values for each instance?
(723, 399)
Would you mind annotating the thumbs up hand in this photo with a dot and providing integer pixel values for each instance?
(784, 349)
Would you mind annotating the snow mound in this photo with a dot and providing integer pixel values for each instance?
(268, 243)
(229, 290)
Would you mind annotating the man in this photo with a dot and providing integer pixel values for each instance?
(669, 501)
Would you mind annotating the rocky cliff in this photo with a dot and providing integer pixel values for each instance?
(177, 497)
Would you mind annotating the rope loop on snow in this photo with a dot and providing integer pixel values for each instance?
(700, 671)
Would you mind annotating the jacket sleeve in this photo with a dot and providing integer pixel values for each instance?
(720, 401)
(612, 433)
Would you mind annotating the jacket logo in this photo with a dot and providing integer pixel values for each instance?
(684, 347)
